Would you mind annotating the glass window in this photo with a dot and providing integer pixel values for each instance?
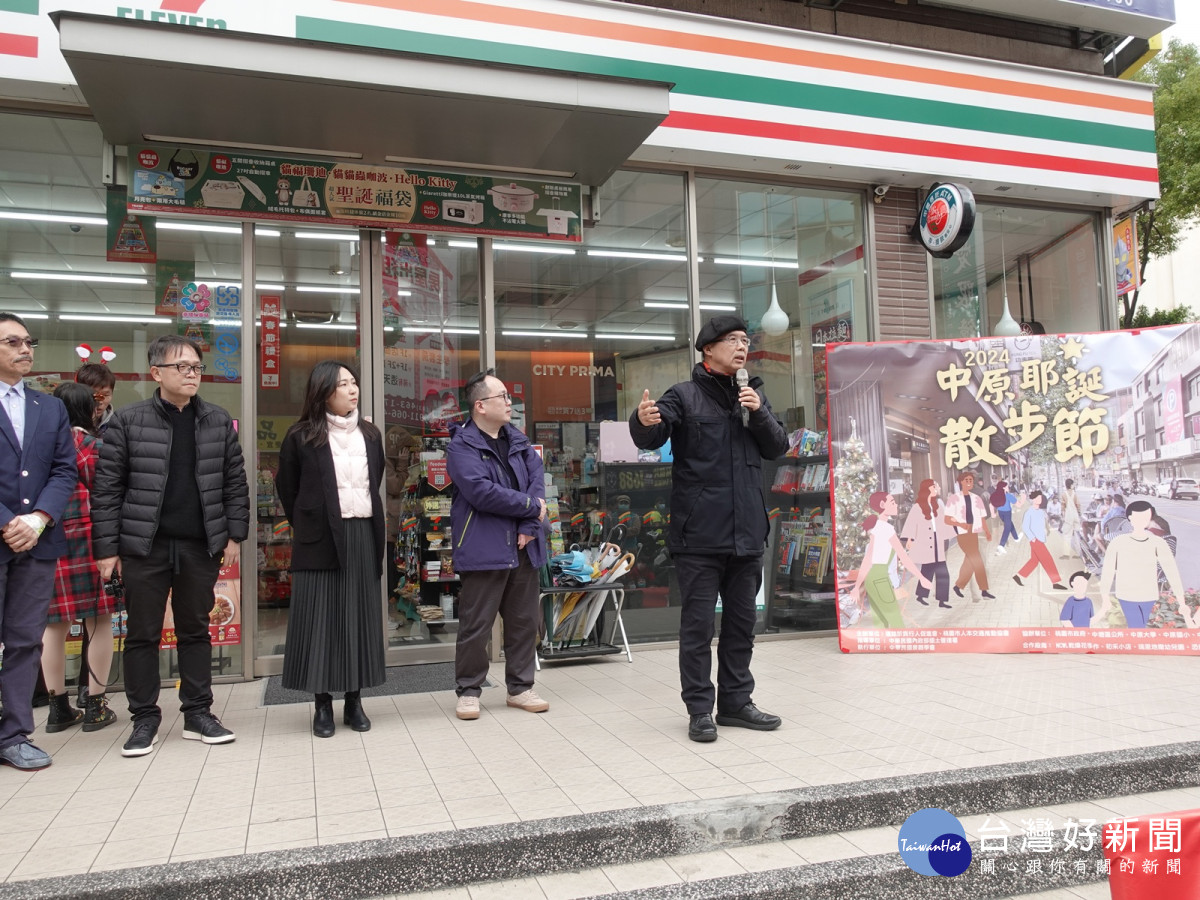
(1044, 261)
(64, 275)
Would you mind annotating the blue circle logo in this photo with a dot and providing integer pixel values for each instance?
(933, 842)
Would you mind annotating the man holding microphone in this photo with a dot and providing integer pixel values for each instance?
(721, 428)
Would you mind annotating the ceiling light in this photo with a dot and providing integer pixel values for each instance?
(65, 218)
(663, 304)
(546, 334)
(80, 276)
(328, 326)
(29, 315)
(761, 263)
(718, 307)
(166, 225)
(326, 289)
(615, 336)
(238, 145)
(425, 329)
(631, 254)
(328, 236)
(149, 320)
(519, 248)
(238, 285)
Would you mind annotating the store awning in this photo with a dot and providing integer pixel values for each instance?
(153, 81)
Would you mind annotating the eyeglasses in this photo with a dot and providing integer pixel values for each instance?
(15, 342)
(735, 341)
(183, 368)
(506, 395)
(102, 398)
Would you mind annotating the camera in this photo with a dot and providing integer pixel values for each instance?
(881, 192)
(75, 228)
(115, 587)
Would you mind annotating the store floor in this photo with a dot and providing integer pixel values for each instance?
(614, 739)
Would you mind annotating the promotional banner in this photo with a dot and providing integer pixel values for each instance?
(1125, 256)
(271, 349)
(130, 238)
(252, 185)
(225, 619)
(1044, 496)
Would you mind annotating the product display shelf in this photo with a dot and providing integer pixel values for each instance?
(800, 576)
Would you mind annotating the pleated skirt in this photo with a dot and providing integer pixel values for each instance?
(335, 623)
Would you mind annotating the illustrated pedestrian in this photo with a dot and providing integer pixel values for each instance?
(331, 468)
(925, 534)
(966, 512)
(1036, 528)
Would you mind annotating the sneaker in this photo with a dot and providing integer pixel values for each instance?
(206, 727)
(143, 739)
(528, 701)
(468, 707)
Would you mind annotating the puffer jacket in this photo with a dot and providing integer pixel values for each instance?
(130, 480)
(486, 515)
(717, 501)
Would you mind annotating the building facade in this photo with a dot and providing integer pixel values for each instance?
(663, 162)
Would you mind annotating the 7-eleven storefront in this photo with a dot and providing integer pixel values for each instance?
(562, 189)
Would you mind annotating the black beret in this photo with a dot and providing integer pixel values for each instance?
(717, 327)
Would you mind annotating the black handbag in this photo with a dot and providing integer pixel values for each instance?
(184, 170)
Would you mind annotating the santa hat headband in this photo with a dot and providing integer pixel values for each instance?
(107, 354)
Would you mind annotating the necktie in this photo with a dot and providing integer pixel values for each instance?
(16, 416)
(970, 512)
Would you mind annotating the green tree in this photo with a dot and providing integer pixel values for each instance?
(854, 479)
(1177, 135)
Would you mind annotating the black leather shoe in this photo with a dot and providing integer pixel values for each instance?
(702, 729)
(945, 606)
(988, 594)
(1017, 579)
(921, 600)
(353, 714)
(323, 719)
(957, 591)
(750, 716)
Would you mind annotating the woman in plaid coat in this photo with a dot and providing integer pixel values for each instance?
(79, 592)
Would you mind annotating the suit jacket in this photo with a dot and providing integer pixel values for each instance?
(307, 487)
(44, 469)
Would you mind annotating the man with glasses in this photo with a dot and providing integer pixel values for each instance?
(497, 521)
(37, 461)
(169, 503)
(720, 432)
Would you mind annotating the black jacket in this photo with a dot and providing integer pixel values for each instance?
(132, 475)
(716, 479)
(307, 486)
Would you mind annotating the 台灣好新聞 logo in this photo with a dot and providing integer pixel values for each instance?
(933, 842)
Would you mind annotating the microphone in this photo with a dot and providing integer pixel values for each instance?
(743, 380)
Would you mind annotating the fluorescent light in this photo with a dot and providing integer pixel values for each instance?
(25, 315)
(425, 329)
(662, 304)
(327, 236)
(80, 276)
(519, 248)
(323, 289)
(761, 263)
(615, 336)
(65, 218)
(719, 307)
(546, 334)
(453, 164)
(238, 285)
(631, 254)
(269, 287)
(327, 326)
(213, 229)
(238, 145)
(164, 320)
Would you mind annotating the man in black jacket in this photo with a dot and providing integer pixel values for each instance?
(719, 433)
(170, 501)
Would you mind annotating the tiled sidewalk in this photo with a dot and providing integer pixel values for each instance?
(615, 738)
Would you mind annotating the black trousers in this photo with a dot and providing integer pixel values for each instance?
(185, 570)
(737, 579)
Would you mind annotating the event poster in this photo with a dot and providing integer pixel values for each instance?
(1026, 494)
(225, 619)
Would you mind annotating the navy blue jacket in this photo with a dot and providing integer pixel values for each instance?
(717, 503)
(486, 515)
(40, 475)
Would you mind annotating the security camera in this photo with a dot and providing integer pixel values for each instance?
(881, 192)
(76, 228)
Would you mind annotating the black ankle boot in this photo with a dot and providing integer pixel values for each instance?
(353, 714)
(323, 720)
(62, 714)
(97, 714)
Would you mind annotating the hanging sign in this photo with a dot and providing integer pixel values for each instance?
(249, 185)
(946, 219)
(1125, 256)
(270, 349)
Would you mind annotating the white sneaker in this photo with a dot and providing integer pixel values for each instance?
(528, 701)
(468, 707)
(1000, 551)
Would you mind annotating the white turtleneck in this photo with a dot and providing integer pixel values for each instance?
(350, 469)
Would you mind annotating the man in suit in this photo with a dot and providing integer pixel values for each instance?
(37, 477)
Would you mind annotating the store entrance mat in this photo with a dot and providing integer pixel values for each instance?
(420, 679)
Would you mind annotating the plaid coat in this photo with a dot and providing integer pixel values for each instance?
(78, 590)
